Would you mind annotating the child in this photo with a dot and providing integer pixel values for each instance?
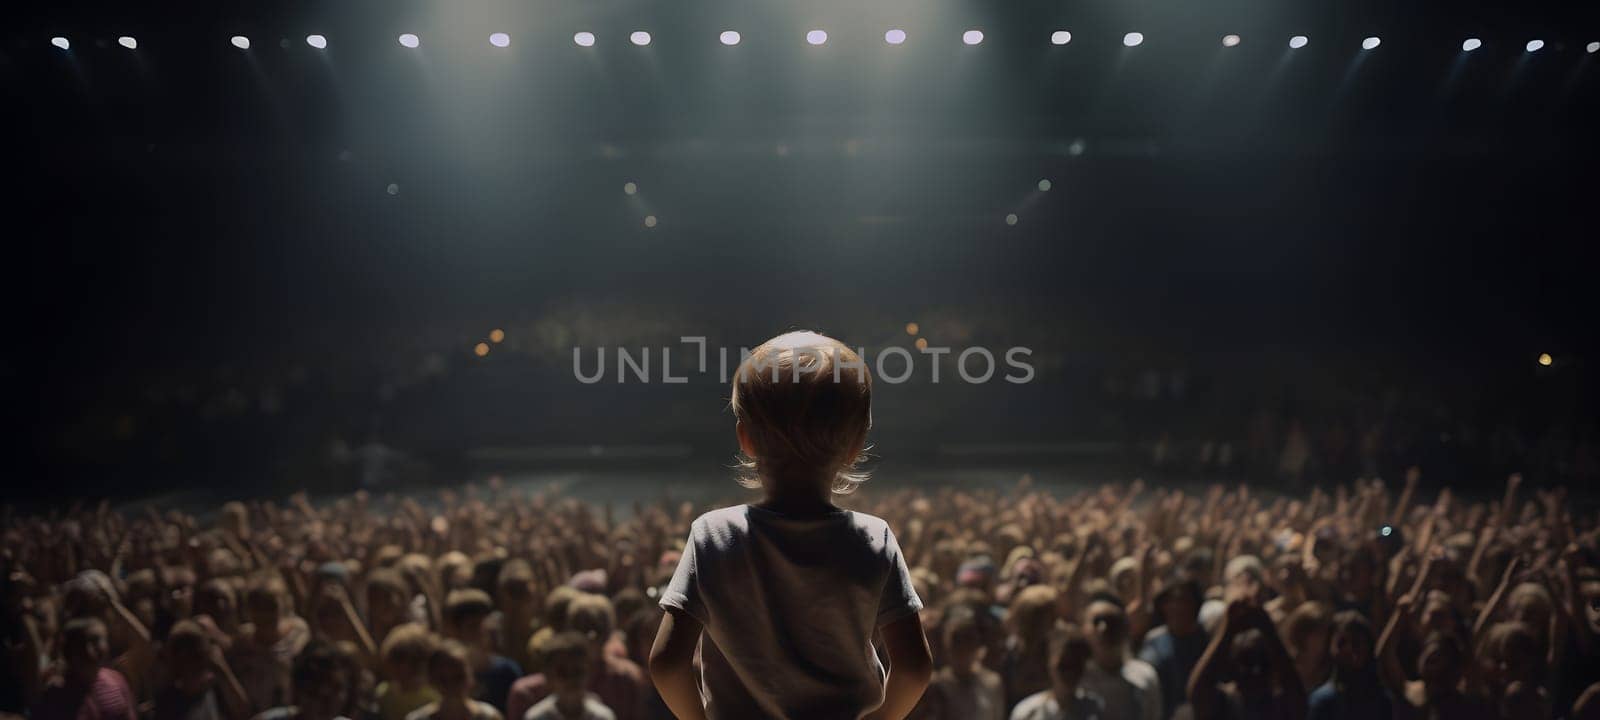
(1355, 691)
(1066, 699)
(790, 590)
(405, 669)
(86, 687)
(465, 612)
(567, 660)
(450, 671)
(200, 685)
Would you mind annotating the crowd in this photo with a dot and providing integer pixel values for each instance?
(1123, 602)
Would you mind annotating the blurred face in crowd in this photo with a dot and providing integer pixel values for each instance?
(1440, 665)
(1107, 628)
(86, 647)
(216, 600)
(324, 699)
(1250, 664)
(1590, 591)
(1352, 647)
(1180, 612)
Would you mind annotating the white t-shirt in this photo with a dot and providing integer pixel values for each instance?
(546, 709)
(789, 606)
(1043, 705)
(1133, 693)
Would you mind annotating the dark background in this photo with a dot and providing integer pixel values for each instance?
(212, 284)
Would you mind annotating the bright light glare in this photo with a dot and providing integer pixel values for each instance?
(1545, 359)
(1298, 41)
(500, 40)
(817, 37)
(584, 39)
(628, 188)
(317, 41)
(128, 42)
(895, 37)
(1133, 39)
(1370, 43)
(640, 38)
(1230, 40)
(1593, 47)
(61, 42)
(1060, 37)
(1011, 218)
(1535, 45)
(1044, 185)
(1471, 44)
(729, 37)
(409, 40)
(649, 221)
(972, 37)
(241, 42)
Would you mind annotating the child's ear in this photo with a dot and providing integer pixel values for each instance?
(745, 446)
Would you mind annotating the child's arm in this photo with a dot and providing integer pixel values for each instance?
(910, 667)
(672, 664)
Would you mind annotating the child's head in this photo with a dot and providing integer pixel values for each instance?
(1106, 623)
(1032, 613)
(963, 637)
(85, 645)
(567, 656)
(464, 613)
(450, 670)
(263, 602)
(322, 682)
(1307, 630)
(1069, 656)
(188, 654)
(803, 403)
(1441, 662)
(1352, 641)
(405, 654)
(592, 617)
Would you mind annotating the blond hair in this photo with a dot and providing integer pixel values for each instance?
(804, 401)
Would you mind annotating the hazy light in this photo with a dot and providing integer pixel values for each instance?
(1298, 41)
(922, 343)
(393, 189)
(1471, 44)
(317, 41)
(1535, 45)
(1044, 185)
(629, 188)
(61, 42)
(1593, 47)
(817, 37)
(409, 40)
(729, 37)
(481, 349)
(1371, 43)
(972, 37)
(584, 39)
(1132, 39)
(1230, 40)
(649, 221)
(128, 42)
(640, 38)
(1011, 218)
(497, 336)
(913, 328)
(895, 37)
(500, 40)
(1545, 359)
(241, 42)
(1060, 37)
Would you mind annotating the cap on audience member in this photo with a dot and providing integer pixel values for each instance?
(589, 581)
(976, 572)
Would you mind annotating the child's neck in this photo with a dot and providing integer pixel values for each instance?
(798, 501)
(570, 704)
(454, 707)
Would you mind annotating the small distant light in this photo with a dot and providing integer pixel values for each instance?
(1133, 39)
(1386, 531)
(1593, 47)
(649, 221)
(922, 343)
(128, 42)
(1535, 45)
(241, 42)
(1545, 359)
(497, 336)
(640, 38)
(629, 188)
(1471, 44)
(729, 37)
(895, 36)
(972, 37)
(1371, 43)
(913, 328)
(317, 41)
(1011, 218)
(817, 37)
(584, 39)
(1298, 41)
(409, 40)
(61, 42)
(481, 349)
(1060, 37)
(393, 189)
(500, 40)
(1044, 185)
(1230, 40)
